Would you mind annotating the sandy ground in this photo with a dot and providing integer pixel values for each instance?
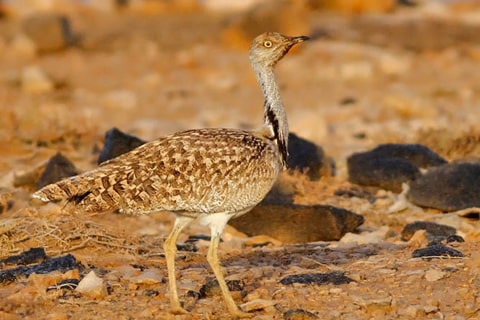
(150, 75)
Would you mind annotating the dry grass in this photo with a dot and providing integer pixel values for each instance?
(59, 233)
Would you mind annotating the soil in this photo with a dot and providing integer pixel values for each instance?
(373, 80)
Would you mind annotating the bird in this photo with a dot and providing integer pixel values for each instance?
(209, 174)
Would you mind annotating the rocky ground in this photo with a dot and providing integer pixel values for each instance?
(395, 75)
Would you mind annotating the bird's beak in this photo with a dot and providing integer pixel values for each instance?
(299, 39)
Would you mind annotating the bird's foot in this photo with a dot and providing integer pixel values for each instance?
(240, 314)
(178, 310)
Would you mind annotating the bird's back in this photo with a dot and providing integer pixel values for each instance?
(195, 171)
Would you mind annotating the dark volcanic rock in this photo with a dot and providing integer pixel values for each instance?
(299, 314)
(27, 257)
(449, 187)
(335, 277)
(355, 192)
(455, 238)
(63, 264)
(434, 230)
(197, 237)
(58, 168)
(436, 250)
(117, 143)
(369, 169)
(416, 154)
(306, 156)
(187, 246)
(292, 223)
(389, 165)
(211, 288)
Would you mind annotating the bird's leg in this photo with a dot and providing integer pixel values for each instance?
(212, 258)
(170, 248)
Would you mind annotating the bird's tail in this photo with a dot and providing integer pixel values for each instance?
(65, 189)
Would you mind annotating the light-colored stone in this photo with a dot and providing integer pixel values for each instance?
(49, 31)
(434, 275)
(356, 70)
(57, 316)
(391, 64)
(430, 309)
(410, 311)
(35, 81)
(9, 316)
(92, 286)
(257, 294)
(149, 276)
(335, 290)
(23, 46)
(366, 237)
(228, 5)
(365, 302)
(418, 239)
(124, 99)
(257, 304)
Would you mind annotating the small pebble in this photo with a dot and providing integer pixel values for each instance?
(151, 293)
(356, 70)
(57, 316)
(436, 250)
(434, 275)
(434, 230)
(196, 237)
(23, 46)
(258, 293)
(92, 286)
(34, 80)
(380, 301)
(336, 277)
(187, 246)
(123, 99)
(355, 192)
(430, 309)
(410, 311)
(299, 314)
(258, 304)
(212, 288)
(455, 238)
(149, 276)
(418, 239)
(375, 236)
(393, 64)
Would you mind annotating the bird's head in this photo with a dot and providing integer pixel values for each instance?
(268, 48)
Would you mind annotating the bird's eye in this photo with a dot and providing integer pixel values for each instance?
(267, 44)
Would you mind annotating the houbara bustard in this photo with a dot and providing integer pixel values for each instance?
(208, 174)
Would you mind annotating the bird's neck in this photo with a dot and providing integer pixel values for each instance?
(274, 113)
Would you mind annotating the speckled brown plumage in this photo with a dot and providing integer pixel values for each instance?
(206, 174)
(190, 172)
